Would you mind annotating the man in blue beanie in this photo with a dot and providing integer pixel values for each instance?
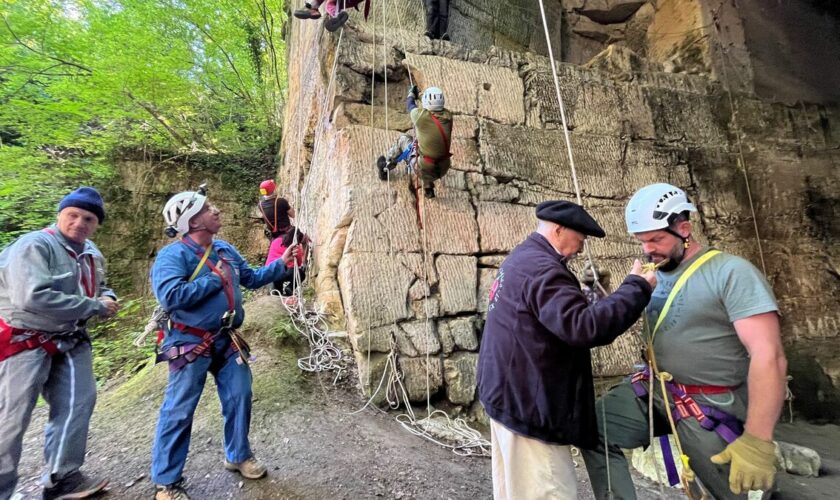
(51, 282)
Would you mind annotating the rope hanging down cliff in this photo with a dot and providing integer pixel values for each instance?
(308, 321)
(459, 436)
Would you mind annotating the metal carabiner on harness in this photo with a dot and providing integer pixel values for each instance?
(227, 320)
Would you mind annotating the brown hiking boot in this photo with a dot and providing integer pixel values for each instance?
(250, 469)
(174, 491)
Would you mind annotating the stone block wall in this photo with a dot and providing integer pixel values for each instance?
(420, 287)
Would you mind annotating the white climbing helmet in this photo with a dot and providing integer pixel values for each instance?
(433, 99)
(181, 208)
(652, 206)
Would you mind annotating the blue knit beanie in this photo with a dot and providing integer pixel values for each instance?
(85, 198)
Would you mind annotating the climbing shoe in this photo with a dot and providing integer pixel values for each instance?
(307, 13)
(336, 22)
(445, 37)
(174, 491)
(250, 469)
(75, 485)
(382, 168)
(429, 192)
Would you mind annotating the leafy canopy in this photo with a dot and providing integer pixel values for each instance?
(82, 80)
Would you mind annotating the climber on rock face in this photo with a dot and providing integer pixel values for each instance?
(437, 19)
(713, 336)
(337, 10)
(430, 151)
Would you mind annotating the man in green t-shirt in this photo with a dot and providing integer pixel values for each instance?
(719, 338)
(430, 152)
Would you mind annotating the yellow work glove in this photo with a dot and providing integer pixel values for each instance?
(753, 463)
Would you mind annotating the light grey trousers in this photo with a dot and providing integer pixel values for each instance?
(66, 381)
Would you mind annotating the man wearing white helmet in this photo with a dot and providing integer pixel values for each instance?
(713, 335)
(197, 281)
(430, 152)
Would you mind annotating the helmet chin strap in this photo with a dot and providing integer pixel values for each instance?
(674, 262)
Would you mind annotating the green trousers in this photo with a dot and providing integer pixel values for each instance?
(627, 427)
(430, 172)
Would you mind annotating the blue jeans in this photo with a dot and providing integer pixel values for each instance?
(67, 384)
(172, 437)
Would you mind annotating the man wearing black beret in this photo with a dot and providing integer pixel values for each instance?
(534, 374)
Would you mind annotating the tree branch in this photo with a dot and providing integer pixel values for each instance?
(157, 116)
(42, 53)
(246, 94)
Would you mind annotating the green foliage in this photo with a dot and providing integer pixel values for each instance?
(81, 80)
(114, 353)
(285, 333)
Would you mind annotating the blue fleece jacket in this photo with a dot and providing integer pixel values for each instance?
(200, 303)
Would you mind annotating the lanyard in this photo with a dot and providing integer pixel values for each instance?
(88, 283)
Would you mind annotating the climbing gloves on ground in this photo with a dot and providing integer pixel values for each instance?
(414, 91)
(753, 463)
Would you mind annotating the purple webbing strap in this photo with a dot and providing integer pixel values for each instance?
(668, 458)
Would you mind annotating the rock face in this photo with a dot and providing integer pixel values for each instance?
(135, 198)
(388, 263)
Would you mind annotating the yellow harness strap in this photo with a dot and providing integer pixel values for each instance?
(204, 259)
(678, 286)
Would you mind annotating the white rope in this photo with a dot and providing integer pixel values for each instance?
(459, 436)
(311, 322)
(741, 159)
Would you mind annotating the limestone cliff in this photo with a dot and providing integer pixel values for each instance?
(668, 92)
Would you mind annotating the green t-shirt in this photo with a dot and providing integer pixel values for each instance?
(697, 342)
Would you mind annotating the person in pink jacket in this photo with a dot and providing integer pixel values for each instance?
(276, 250)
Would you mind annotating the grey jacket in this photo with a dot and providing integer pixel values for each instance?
(41, 286)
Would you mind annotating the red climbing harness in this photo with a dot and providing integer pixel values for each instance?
(34, 340)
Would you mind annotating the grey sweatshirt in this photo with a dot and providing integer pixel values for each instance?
(41, 286)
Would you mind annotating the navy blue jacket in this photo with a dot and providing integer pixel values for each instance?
(534, 372)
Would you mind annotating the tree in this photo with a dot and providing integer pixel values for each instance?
(82, 80)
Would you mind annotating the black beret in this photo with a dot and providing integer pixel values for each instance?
(570, 215)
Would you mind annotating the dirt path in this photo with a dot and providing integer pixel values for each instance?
(302, 428)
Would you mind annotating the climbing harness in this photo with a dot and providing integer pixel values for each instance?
(180, 356)
(271, 226)
(34, 340)
(428, 159)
